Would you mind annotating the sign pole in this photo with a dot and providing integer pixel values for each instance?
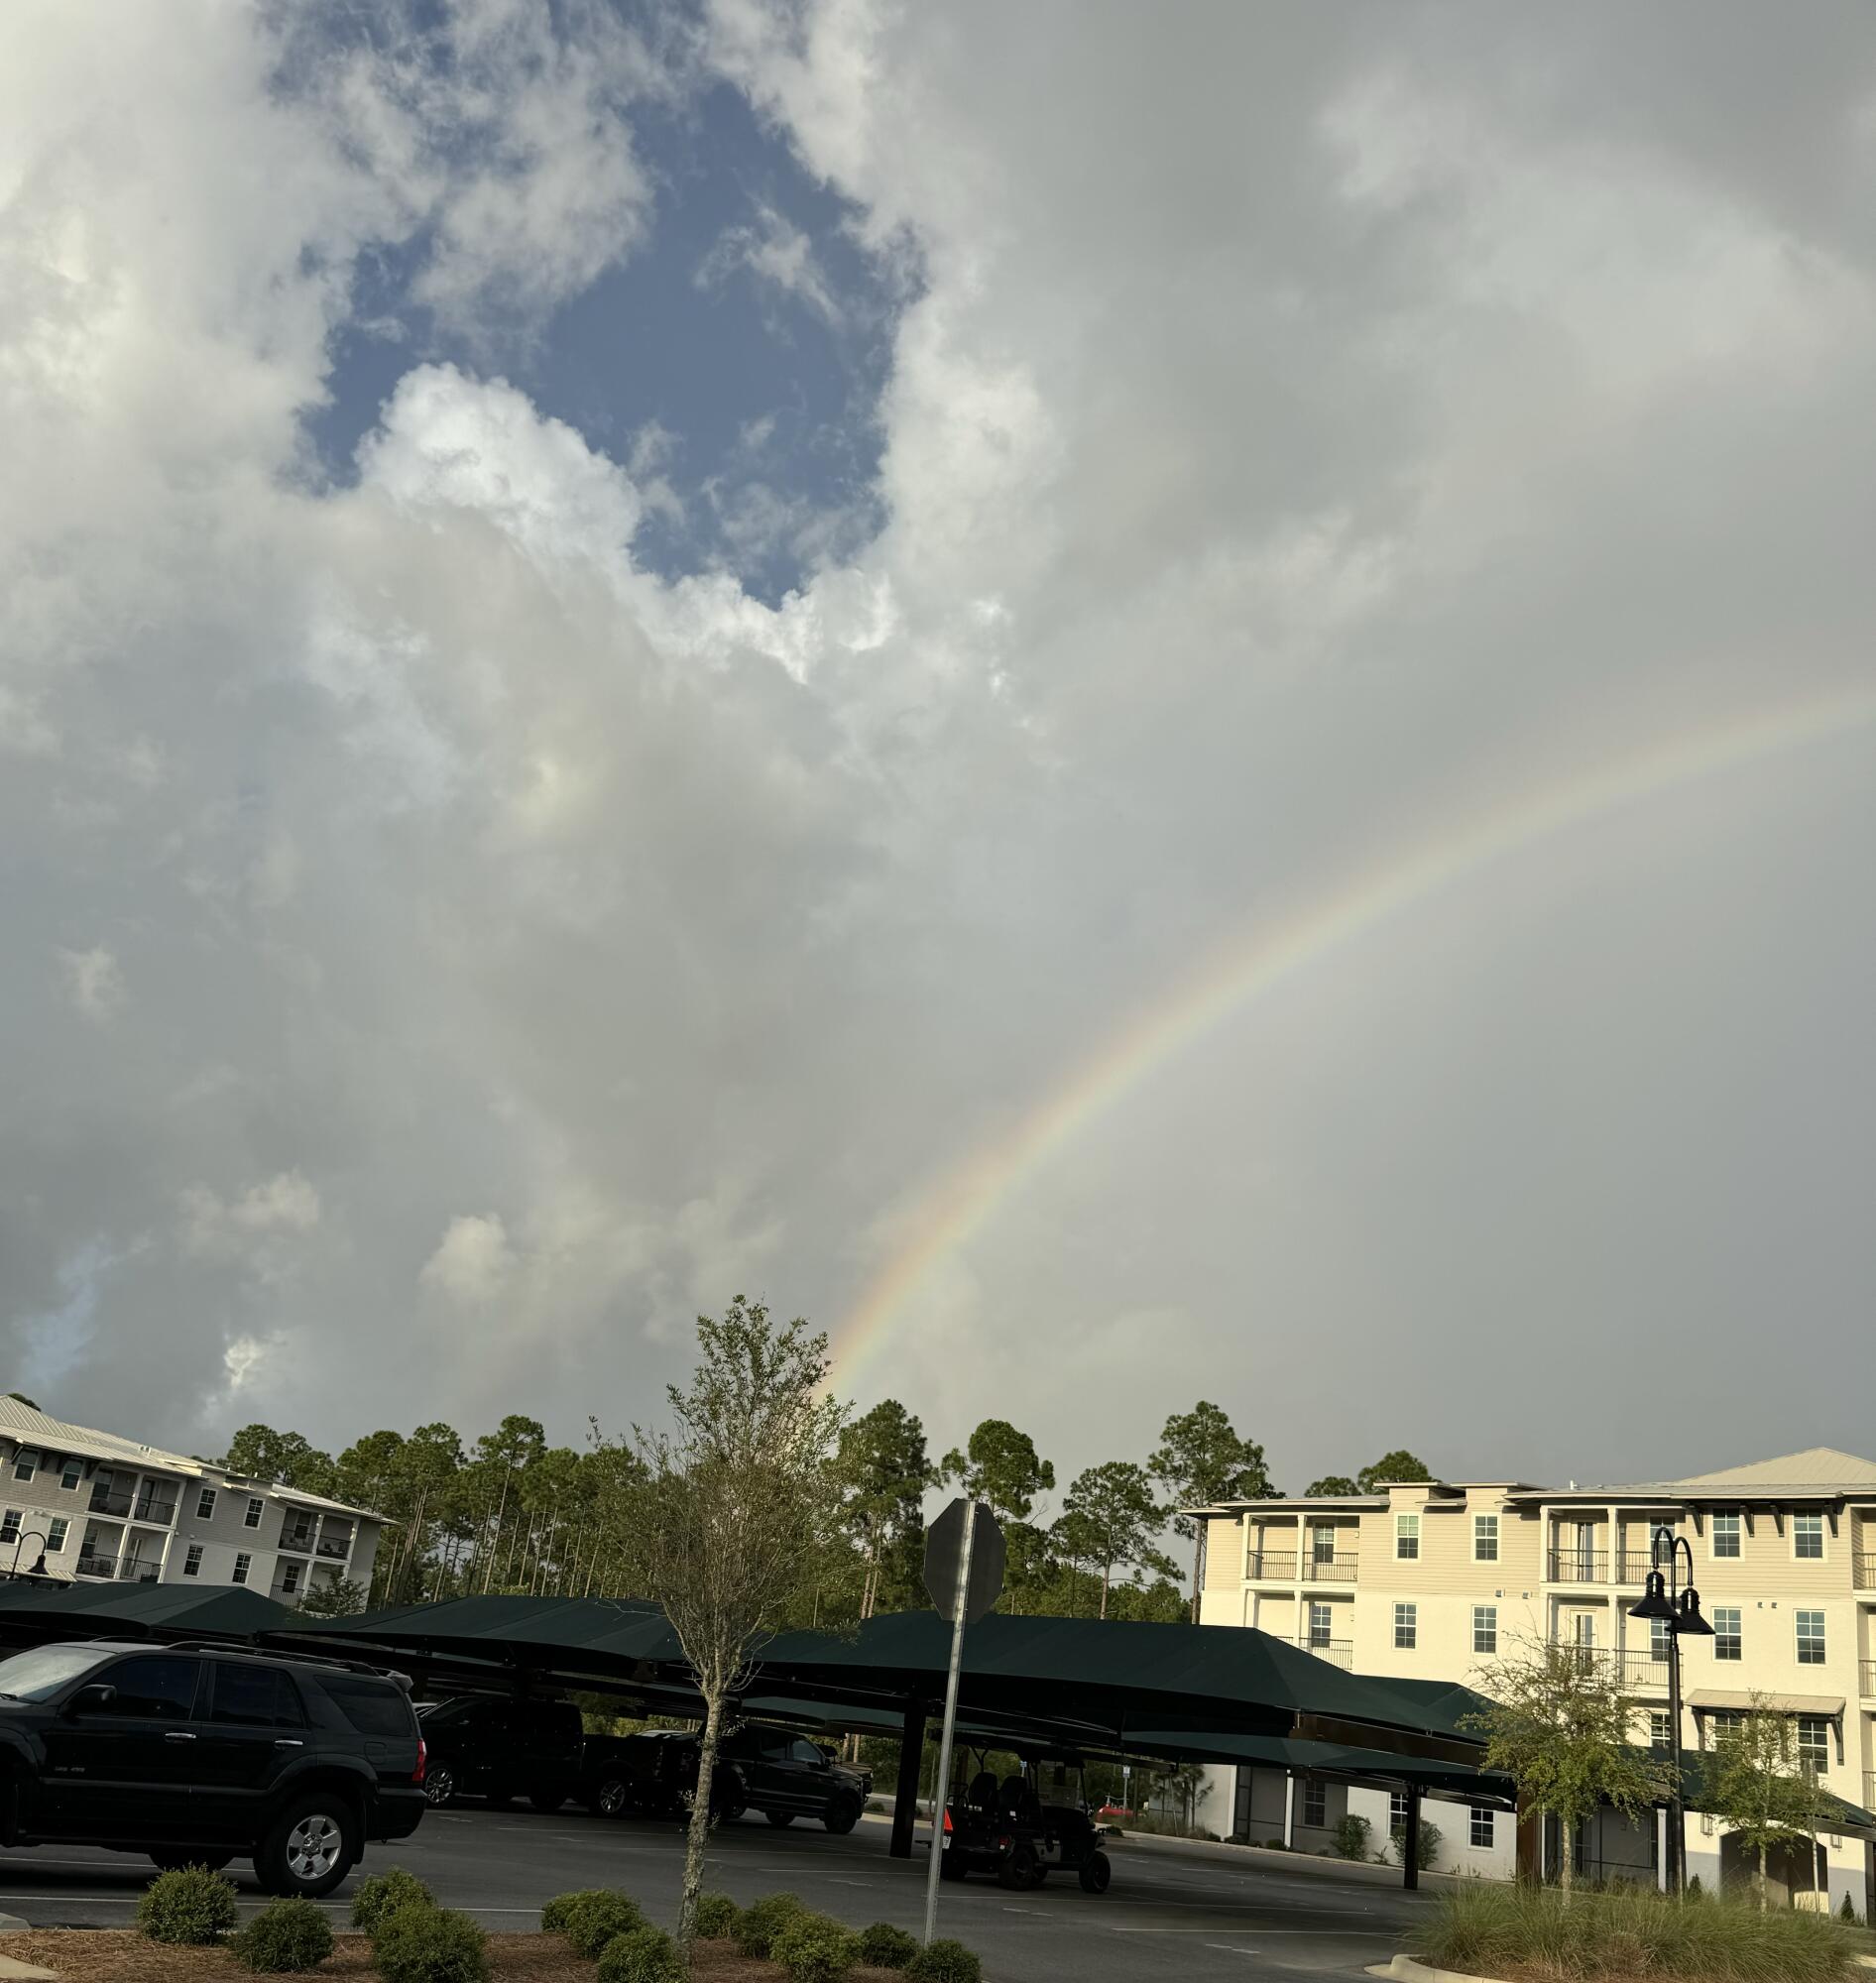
(941, 1788)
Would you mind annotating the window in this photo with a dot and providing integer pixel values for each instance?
(1320, 1627)
(1485, 1538)
(1811, 1638)
(1728, 1643)
(25, 1463)
(241, 1567)
(252, 1519)
(1485, 1628)
(205, 1506)
(10, 1526)
(56, 1532)
(1407, 1538)
(1396, 1812)
(192, 1561)
(1660, 1740)
(1807, 1538)
(256, 1697)
(1814, 1740)
(1315, 1803)
(1660, 1639)
(1406, 1626)
(1323, 1545)
(1727, 1722)
(1483, 1829)
(1725, 1535)
(73, 1474)
(290, 1578)
(154, 1687)
(372, 1707)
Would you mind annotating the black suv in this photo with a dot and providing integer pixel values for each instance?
(783, 1775)
(504, 1748)
(199, 1754)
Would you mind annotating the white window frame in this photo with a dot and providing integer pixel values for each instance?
(193, 1560)
(26, 1462)
(1406, 1530)
(1660, 1732)
(204, 1504)
(1821, 1637)
(251, 1515)
(1482, 1815)
(1736, 1528)
(243, 1562)
(10, 1524)
(1328, 1622)
(1798, 1554)
(1819, 1754)
(1480, 1525)
(289, 1577)
(1736, 1633)
(1406, 1619)
(57, 1530)
(1485, 1625)
(1396, 1812)
(1315, 1794)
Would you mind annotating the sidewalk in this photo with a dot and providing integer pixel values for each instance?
(1353, 1872)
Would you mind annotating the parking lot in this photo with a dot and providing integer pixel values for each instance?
(1213, 1918)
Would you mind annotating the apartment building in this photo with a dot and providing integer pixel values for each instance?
(1437, 1581)
(100, 1508)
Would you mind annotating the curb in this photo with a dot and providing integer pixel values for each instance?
(13, 1924)
(1404, 1969)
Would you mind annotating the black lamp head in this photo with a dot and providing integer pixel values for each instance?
(1654, 1600)
(1689, 1620)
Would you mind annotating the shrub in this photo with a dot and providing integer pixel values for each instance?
(1848, 1912)
(428, 1944)
(1275, 1845)
(716, 1917)
(641, 1955)
(590, 1920)
(187, 1903)
(1488, 1929)
(759, 1923)
(284, 1935)
(1351, 1837)
(884, 1947)
(814, 1948)
(945, 1962)
(384, 1892)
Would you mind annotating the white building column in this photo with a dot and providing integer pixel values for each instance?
(1289, 1807)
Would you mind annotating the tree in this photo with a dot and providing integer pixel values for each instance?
(19, 1397)
(338, 1599)
(1400, 1465)
(1201, 1459)
(1331, 1483)
(1109, 1517)
(1558, 1726)
(880, 1473)
(735, 1506)
(1001, 1465)
(1761, 1788)
(260, 1452)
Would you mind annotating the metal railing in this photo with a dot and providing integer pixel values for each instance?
(1578, 1566)
(1869, 1789)
(1338, 1569)
(1266, 1564)
(300, 1541)
(1638, 1668)
(1338, 1651)
(335, 1547)
(97, 1566)
(1863, 1570)
(154, 1509)
(112, 1500)
(1632, 1566)
(138, 1570)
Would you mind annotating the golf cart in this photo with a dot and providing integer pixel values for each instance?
(1008, 1829)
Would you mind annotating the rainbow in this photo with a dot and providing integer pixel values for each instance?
(963, 1201)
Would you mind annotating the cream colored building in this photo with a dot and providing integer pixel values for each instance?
(1434, 1582)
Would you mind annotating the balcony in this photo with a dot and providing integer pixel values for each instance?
(1338, 1651)
(298, 1541)
(334, 1549)
(139, 1569)
(112, 1500)
(1633, 1566)
(1863, 1570)
(1637, 1668)
(1578, 1566)
(157, 1507)
(97, 1566)
(1330, 1569)
(1271, 1567)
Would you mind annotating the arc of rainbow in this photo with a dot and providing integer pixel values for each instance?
(970, 1195)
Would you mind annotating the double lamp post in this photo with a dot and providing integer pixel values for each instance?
(1666, 1603)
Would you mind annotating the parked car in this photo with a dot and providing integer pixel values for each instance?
(768, 1770)
(501, 1748)
(199, 1754)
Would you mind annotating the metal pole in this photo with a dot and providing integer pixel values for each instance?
(1677, 1831)
(905, 1794)
(940, 1788)
(1410, 1843)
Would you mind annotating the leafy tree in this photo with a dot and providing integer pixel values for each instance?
(1400, 1465)
(1761, 1788)
(1109, 1517)
(1001, 1465)
(261, 1453)
(734, 1507)
(1201, 1459)
(881, 1473)
(338, 1597)
(19, 1397)
(1331, 1483)
(1558, 1726)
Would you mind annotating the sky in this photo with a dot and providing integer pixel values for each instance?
(1136, 704)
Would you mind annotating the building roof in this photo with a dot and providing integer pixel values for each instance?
(1817, 1467)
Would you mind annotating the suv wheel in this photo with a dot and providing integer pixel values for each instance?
(609, 1796)
(842, 1815)
(311, 1847)
(439, 1785)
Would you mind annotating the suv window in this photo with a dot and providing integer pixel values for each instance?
(806, 1752)
(159, 1686)
(256, 1697)
(370, 1707)
(39, 1674)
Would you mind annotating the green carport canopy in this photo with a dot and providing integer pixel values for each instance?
(142, 1611)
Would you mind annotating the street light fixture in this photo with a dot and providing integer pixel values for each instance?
(1662, 1601)
(19, 1542)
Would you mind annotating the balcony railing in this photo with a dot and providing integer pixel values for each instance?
(112, 1500)
(97, 1566)
(1633, 1566)
(1338, 1651)
(1869, 1789)
(1267, 1566)
(157, 1508)
(300, 1541)
(1578, 1566)
(1336, 1568)
(1863, 1570)
(1637, 1668)
(139, 1569)
(335, 1547)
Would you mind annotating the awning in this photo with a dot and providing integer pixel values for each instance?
(1708, 1699)
(137, 1610)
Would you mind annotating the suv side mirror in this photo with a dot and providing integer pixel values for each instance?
(92, 1699)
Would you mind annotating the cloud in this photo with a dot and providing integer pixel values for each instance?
(246, 1228)
(94, 982)
(473, 1260)
(776, 253)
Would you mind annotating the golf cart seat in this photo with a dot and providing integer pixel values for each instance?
(981, 1795)
(1017, 1802)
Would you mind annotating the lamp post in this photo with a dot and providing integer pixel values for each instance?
(1665, 1601)
(19, 1542)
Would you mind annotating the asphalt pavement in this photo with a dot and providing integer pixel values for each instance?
(1211, 1917)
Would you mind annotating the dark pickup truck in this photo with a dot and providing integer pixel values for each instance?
(199, 1754)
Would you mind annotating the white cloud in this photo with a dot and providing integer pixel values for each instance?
(284, 1206)
(473, 1260)
(94, 982)
(777, 251)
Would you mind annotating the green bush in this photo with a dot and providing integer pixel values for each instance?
(1351, 1837)
(1429, 1845)
(284, 1935)
(188, 1903)
(1631, 1932)
(759, 1923)
(945, 1962)
(384, 1892)
(428, 1944)
(814, 1948)
(590, 1920)
(641, 1955)
(1848, 1912)
(884, 1947)
(717, 1916)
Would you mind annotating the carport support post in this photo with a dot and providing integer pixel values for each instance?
(905, 1798)
(1410, 1841)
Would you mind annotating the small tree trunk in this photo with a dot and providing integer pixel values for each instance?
(1107, 1571)
(1567, 1853)
(698, 1835)
(1762, 1875)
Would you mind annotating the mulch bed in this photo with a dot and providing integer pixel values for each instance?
(120, 1956)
